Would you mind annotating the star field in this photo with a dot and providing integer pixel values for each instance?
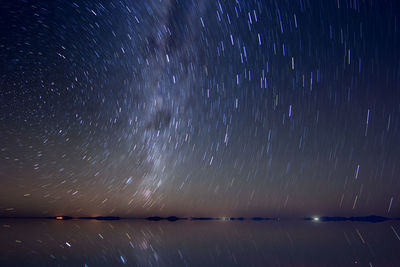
(199, 108)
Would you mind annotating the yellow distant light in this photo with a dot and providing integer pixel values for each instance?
(59, 217)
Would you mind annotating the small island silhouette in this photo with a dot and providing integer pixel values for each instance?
(370, 218)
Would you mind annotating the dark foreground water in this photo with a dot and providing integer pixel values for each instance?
(198, 243)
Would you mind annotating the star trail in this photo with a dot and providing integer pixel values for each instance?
(199, 108)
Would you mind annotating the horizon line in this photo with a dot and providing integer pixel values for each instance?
(367, 218)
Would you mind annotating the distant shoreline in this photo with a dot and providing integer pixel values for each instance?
(370, 218)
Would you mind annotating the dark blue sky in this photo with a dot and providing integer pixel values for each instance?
(214, 108)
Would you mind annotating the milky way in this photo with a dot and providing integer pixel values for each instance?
(199, 108)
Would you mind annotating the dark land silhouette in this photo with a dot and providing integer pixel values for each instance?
(370, 218)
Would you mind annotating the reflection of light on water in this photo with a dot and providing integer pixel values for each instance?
(143, 243)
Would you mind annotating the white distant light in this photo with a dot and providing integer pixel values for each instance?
(316, 219)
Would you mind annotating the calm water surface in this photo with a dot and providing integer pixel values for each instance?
(198, 243)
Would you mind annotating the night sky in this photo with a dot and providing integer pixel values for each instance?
(200, 108)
